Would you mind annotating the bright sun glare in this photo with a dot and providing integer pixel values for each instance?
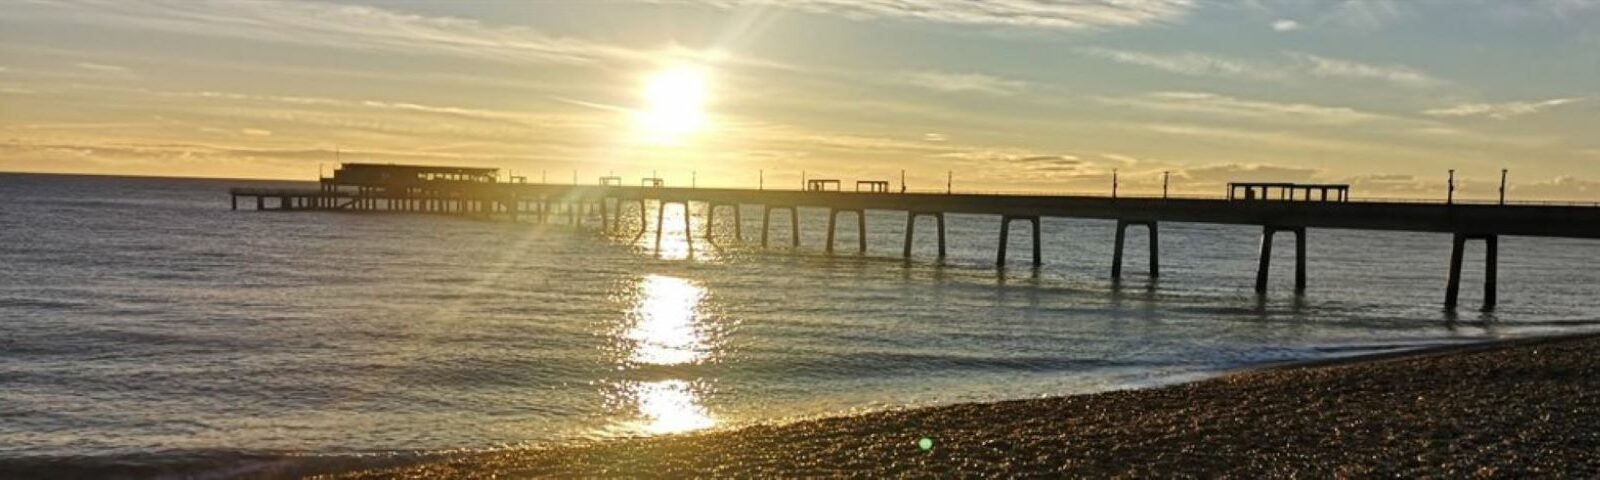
(674, 105)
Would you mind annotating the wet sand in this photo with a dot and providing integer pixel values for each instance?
(1506, 409)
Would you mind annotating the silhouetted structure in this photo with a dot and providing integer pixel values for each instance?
(473, 191)
(1286, 191)
(822, 185)
(876, 186)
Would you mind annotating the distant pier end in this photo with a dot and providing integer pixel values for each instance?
(1275, 207)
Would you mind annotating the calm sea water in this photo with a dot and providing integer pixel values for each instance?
(142, 322)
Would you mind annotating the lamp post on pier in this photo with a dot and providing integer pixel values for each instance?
(1502, 186)
(1164, 176)
(1450, 192)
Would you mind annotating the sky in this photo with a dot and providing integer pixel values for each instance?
(1001, 95)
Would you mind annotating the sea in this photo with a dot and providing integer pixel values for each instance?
(147, 329)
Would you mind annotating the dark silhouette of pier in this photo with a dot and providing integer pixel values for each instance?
(462, 191)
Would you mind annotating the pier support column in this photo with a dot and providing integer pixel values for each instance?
(1265, 264)
(661, 223)
(1155, 248)
(861, 227)
(1491, 267)
(911, 228)
(644, 216)
(605, 217)
(688, 232)
(235, 199)
(1005, 234)
(794, 223)
(711, 219)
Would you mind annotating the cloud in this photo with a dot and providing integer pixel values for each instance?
(1190, 63)
(935, 137)
(1499, 111)
(1039, 14)
(1298, 66)
(255, 132)
(1234, 172)
(347, 27)
(962, 82)
(1215, 104)
(1331, 67)
(1562, 187)
(1285, 25)
(100, 67)
(1027, 159)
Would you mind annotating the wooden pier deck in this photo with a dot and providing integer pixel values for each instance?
(542, 202)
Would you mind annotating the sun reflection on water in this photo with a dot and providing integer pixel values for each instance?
(665, 328)
(670, 406)
(668, 328)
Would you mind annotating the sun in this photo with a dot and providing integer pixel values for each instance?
(674, 105)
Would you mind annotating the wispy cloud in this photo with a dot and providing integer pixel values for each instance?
(1211, 103)
(1499, 111)
(1190, 63)
(322, 25)
(1294, 66)
(961, 82)
(1233, 172)
(100, 67)
(1285, 25)
(1332, 67)
(1044, 14)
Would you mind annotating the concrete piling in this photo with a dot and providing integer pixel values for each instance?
(1491, 269)
(1005, 234)
(861, 227)
(911, 228)
(1155, 247)
(1265, 264)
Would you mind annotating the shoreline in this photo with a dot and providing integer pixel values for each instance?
(1519, 405)
(896, 451)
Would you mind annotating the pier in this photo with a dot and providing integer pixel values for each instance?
(474, 191)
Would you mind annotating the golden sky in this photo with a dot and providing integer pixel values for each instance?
(1014, 95)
